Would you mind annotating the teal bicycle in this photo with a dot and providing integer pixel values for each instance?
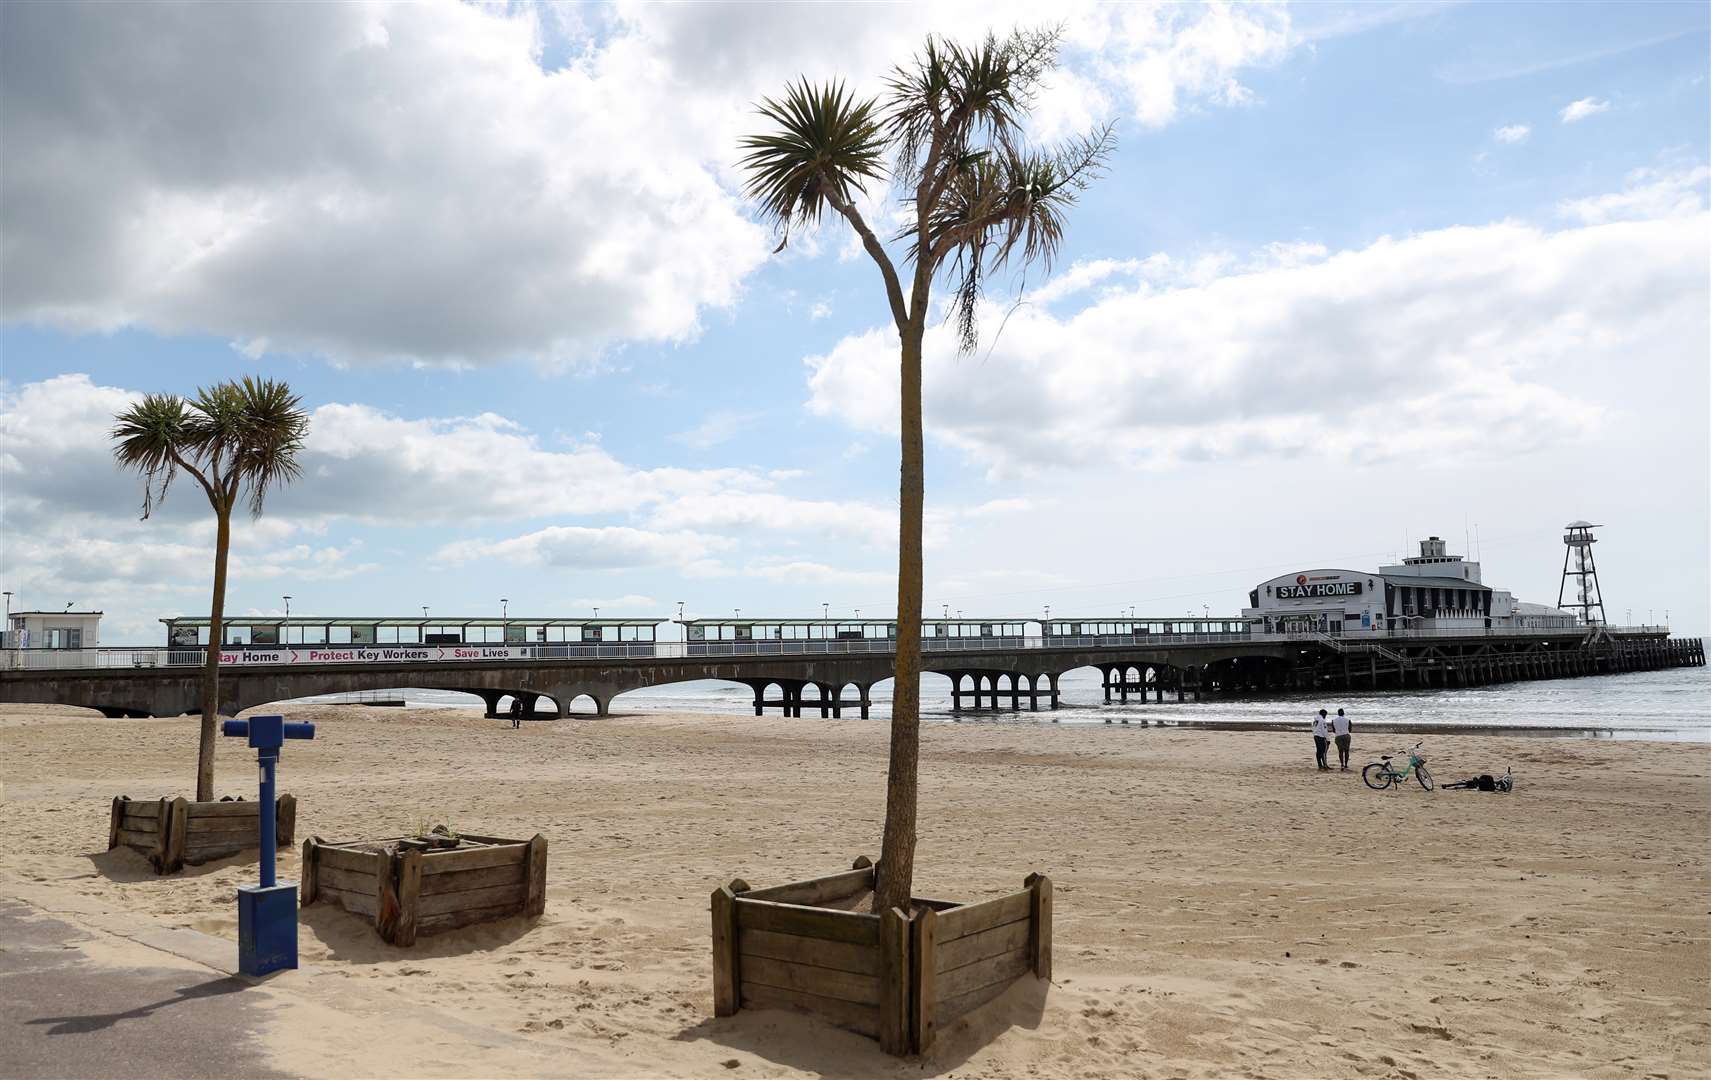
(1382, 774)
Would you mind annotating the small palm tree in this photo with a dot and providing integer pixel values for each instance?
(236, 439)
(949, 133)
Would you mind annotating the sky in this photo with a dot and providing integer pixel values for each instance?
(1356, 275)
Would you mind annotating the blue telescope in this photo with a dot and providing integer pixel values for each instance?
(267, 913)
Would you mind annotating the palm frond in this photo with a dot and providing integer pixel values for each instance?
(146, 437)
(824, 143)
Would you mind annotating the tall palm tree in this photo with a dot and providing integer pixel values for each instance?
(948, 135)
(236, 439)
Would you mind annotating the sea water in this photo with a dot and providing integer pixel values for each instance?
(1673, 704)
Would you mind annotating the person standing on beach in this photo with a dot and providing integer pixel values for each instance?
(1340, 728)
(1321, 729)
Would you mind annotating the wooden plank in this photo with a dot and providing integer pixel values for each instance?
(895, 1030)
(285, 819)
(461, 880)
(361, 903)
(409, 897)
(141, 809)
(385, 898)
(309, 872)
(348, 880)
(471, 838)
(988, 943)
(1001, 968)
(445, 862)
(1040, 922)
(335, 858)
(863, 1019)
(923, 965)
(837, 955)
(818, 890)
(118, 815)
(806, 979)
(852, 927)
(209, 849)
(225, 826)
(434, 924)
(973, 918)
(235, 808)
(725, 960)
(535, 896)
(950, 1009)
(176, 817)
(143, 841)
(500, 896)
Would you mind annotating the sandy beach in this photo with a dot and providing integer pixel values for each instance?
(1221, 908)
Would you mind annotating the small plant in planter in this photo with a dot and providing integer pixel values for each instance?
(434, 881)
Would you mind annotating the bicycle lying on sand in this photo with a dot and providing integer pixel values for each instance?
(1381, 774)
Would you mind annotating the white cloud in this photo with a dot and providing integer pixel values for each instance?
(820, 310)
(364, 182)
(572, 547)
(404, 182)
(1445, 343)
(799, 572)
(717, 427)
(1512, 133)
(1576, 111)
(628, 604)
(1650, 193)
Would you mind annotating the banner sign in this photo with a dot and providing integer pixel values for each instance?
(370, 654)
(1325, 588)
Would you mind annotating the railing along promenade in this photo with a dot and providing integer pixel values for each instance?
(252, 657)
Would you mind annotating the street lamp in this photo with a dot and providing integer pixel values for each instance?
(287, 607)
(858, 612)
(424, 611)
(680, 611)
(825, 612)
(947, 608)
(504, 609)
(596, 613)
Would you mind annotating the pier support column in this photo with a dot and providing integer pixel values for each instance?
(866, 699)
(490, 698)
(1105, 676)
(1054, 692)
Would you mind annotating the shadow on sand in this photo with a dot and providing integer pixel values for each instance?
(800, 1041)
(353, 938)
(82, 1025)
(122, 864)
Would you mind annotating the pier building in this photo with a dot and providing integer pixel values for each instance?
(1433, 590)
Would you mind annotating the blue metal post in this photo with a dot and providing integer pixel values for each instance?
(269, 817)
(267, 913)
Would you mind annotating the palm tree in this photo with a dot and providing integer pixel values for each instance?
(234, 439)
(948, 132)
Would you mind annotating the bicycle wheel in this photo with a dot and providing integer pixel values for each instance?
(1423, 776)
(1377, 776)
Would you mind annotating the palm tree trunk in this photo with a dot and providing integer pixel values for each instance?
(211, 670)
(897, 849)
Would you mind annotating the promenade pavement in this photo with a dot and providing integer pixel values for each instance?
(64, 1014)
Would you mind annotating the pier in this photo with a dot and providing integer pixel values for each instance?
(834, 676)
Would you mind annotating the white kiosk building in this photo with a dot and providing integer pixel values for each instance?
(53, 630)
(1433, 590)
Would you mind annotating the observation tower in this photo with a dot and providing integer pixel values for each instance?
(1581, 595)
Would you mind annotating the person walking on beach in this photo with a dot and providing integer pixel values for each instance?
(516, 711)
(1340, 728)
(1321, 729)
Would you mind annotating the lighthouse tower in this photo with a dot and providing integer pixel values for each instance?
(1579, 591)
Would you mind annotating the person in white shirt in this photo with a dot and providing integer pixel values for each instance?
(1321, 729)
(1340, 728)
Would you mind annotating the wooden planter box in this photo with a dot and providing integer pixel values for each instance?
(893, 977)
(407, 887)
(173, 832)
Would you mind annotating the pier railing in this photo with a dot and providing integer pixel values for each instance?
(148, 657)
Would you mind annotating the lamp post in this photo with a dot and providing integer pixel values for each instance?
(287, 600)
(680, 611)
(596, 613)
(504, 609)
(825, 612)
(424, 611)
(947, 608)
